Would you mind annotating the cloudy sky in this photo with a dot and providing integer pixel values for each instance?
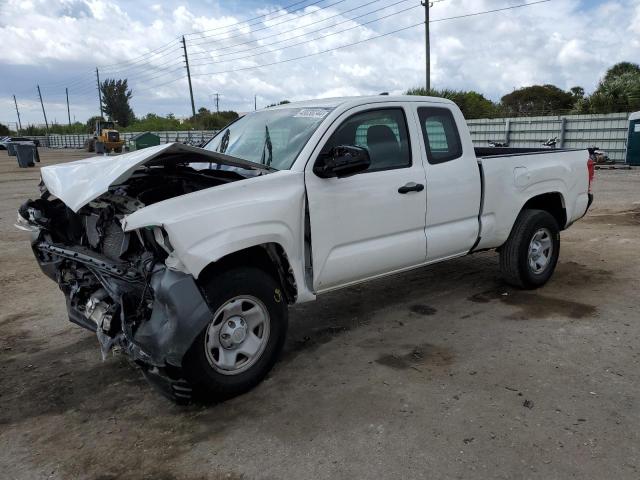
(244, 48)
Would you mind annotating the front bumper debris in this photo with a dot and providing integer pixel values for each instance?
(157, 343)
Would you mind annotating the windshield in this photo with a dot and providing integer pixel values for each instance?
(271, 137)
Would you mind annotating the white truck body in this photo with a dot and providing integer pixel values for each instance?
(179, 232)
(361, 228)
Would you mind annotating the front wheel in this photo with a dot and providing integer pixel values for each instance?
(529, 257)
(241, 343)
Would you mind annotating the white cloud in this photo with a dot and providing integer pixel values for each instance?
(59, 42)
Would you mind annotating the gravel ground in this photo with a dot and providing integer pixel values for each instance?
(443, 372)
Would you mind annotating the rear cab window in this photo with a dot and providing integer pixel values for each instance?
(440, 134)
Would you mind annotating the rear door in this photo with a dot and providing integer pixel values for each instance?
(368, 225)
(453, 181)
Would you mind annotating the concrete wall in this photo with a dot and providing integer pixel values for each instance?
(609, 132)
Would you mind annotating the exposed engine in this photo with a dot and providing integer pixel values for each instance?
(104, 272)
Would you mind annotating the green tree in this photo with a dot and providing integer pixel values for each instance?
(618, 91)
(577, 92)
(115, 101)
(206, 120)
(472, 104)
(537, 100)
(156, 123)
(91, 123)
(620, 69)
(4, 130)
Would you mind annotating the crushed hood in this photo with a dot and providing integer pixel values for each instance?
(77, 183)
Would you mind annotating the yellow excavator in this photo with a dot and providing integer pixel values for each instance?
(105, 138)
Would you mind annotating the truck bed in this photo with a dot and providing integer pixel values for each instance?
(511, 177)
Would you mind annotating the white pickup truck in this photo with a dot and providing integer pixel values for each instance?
(186, 258)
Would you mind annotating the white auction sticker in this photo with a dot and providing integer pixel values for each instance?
(312, 113)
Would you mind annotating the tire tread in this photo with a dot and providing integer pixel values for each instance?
(513, 249)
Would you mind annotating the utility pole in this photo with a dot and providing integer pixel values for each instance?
(217, 102)
(18, 112)
(99, 91)
(68, 111)
(427, 5)
(186, 61)
(46, 123)
(255, 102)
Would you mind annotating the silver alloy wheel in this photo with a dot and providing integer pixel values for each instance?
(237, 335)
(540, 251)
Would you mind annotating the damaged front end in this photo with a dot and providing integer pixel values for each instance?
(127, 287)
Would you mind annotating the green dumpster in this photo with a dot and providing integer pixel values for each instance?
(633, 140)
(143, 140)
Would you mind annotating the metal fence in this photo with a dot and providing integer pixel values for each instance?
(609, 132)
(77, 140)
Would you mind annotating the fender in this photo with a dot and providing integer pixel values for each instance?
(206, 225)
(504, 200)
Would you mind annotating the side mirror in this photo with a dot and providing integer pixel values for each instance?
(342, 161)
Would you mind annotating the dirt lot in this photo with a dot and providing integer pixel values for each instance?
(438, 373)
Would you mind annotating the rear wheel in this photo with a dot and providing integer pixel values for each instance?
(529, 257)
(241, 343)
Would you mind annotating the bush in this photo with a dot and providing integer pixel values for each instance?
(472, 104)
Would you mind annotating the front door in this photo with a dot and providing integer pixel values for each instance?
(367, 224)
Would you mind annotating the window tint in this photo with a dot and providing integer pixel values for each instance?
(382, 132)
(440, 134)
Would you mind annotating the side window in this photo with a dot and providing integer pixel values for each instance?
(382, 132)
(440, 133)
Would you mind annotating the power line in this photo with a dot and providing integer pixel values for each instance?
(147, 61)
(489, 11)
(129, 67)
(310, 40)
(310, 54)
(153, 72)
(277, 34)
(145, 55)
(266, 26)
(368, 39)
(286, 7)
(176, 42)
(163, 73)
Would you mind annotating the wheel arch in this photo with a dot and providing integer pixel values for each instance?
(551, 202)
(270, 257)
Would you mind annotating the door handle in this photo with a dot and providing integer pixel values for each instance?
(411, 187)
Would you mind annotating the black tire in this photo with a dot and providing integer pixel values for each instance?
(208, 383)
(117, 150)
(514, 254)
